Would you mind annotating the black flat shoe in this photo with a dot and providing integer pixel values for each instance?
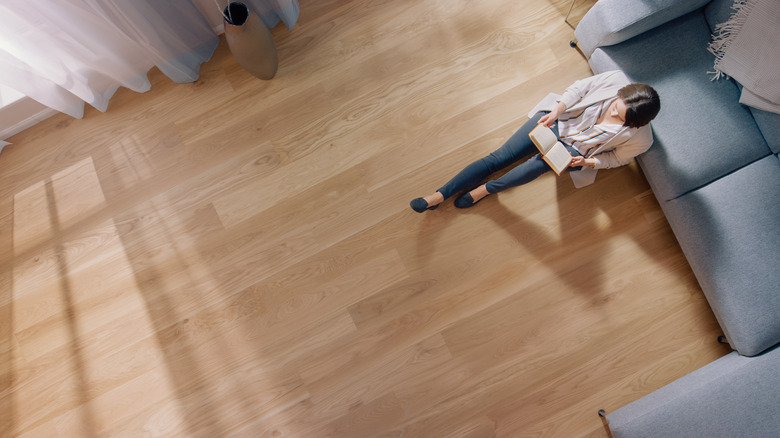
(466, 201)
(420, 205)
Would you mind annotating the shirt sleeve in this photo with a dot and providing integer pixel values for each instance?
(622, 154)
(579, 89)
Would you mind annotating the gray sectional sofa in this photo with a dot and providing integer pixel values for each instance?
(714, 169)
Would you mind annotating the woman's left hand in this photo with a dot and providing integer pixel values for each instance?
(580, 162)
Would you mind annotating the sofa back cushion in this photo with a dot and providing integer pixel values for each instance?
(718, 11)
(611, 22)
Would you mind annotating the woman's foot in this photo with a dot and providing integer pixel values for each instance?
(471, 198)
(429, 202)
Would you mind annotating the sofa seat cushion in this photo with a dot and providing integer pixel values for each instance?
(730, 234)
(735, 396)
(702, 132)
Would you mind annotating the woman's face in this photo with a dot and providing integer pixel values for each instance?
(618, 110)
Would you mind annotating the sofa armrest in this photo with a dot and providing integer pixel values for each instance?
(610, 22)
(735, 396)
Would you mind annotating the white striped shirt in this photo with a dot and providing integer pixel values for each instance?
(581, 131)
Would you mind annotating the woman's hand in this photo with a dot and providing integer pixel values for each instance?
(549, 119)
(582, 162)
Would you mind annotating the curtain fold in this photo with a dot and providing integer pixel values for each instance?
(274, 11)
(64, 53)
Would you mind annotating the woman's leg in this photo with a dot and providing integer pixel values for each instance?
(517, 147)
(526, 172)
(519, 175)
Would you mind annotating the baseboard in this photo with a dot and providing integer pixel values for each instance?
(26, 113)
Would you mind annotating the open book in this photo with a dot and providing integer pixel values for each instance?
(553, 151)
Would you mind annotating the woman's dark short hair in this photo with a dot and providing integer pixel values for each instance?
(642, 104)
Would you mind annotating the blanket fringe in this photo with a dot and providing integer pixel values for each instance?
(726, 32)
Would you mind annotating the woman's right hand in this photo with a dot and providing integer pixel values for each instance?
(549, 119)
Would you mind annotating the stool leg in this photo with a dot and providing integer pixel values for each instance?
(603, 415)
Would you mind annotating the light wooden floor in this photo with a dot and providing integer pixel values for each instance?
(238, 258)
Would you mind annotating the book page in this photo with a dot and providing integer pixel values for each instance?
(558, 158)
(543, 138)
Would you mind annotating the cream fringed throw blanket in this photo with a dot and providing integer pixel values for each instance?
(747, 48)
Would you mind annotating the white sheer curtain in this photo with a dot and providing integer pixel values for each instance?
(273, 11)
(64, 53)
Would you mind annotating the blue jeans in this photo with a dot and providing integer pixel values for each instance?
(517, 147)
